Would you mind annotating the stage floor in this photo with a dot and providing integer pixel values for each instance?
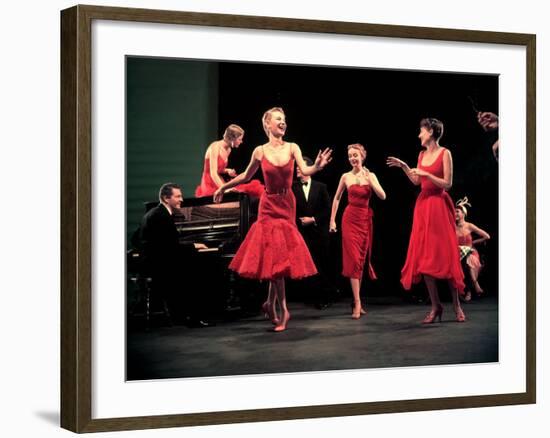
(390, 335)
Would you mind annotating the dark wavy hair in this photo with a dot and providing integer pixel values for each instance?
(436, 126)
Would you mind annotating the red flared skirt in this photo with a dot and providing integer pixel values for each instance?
(433, 245)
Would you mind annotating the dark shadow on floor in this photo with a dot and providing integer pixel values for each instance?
(390, 335)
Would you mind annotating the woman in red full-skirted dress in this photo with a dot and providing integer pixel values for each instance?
(215, 171)
(273, 248)
(432, 252)
(357, 227)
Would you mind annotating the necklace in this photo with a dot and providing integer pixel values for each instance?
(358, 176)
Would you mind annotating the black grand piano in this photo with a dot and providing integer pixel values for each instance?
(221, 227)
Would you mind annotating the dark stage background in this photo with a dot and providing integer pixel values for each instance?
(324, 106)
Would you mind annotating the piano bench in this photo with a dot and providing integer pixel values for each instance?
(144, 289)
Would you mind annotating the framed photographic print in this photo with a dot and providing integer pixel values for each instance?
(259, 213)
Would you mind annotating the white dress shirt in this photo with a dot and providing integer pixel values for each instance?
(306, 188)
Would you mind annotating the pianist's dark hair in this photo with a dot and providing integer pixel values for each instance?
(232, 132)
(309, 161)
(166, 190)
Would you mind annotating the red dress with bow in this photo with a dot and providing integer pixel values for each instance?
(357, 232)
(273, 247)
(433, 243)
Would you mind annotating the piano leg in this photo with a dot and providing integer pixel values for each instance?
(232, 302)
(231, 299)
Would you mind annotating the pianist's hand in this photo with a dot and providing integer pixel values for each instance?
(200, 246)
(218, 195)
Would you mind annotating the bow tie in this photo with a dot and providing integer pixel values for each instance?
(304, 183)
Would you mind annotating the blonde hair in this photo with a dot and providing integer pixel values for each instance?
(462, 203)
(267, 117)
(360, 148)
(232, 132)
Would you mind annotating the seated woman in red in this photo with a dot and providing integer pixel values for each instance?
(215, 171)
(432, 252)
(466, 244)
(356, 221)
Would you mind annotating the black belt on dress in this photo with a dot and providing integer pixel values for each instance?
(277, 192)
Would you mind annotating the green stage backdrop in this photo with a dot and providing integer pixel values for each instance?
(171, 116)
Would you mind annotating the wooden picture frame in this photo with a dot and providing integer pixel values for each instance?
(76, 217)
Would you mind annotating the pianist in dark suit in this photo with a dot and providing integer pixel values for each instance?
(166, 260)
(312, 219)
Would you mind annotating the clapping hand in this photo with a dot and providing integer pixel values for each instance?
(418, 172)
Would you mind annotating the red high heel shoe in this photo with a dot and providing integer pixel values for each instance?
(282, 325)
(266, 308)
(433, 315)
(460, 317)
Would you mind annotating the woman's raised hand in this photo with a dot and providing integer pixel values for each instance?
(323, 158)
(395, 162)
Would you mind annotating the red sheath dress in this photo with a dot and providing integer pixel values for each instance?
(357, 232)
(433, 243)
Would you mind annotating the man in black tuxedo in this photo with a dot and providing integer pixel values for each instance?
(164, 257)
(312, 219)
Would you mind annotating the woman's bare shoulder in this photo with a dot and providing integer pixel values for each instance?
(258, 152)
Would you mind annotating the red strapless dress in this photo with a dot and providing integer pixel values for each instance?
(357, 232)
(273, 247)
(433, 243)
(207, 186)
